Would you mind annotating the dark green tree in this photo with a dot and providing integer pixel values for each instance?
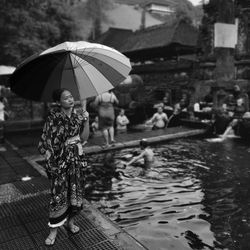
(185, 11)
(28, 27)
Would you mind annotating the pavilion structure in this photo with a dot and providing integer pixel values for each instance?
(163, 55)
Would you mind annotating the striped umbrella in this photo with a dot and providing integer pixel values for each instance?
(85, 69)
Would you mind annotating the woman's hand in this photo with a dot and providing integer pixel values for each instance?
(84, 104)
(47, 155)
(86, 114)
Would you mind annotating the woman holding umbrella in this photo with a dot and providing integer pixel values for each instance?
(60, 143)
(86, 70)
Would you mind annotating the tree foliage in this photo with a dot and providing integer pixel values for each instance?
(96, 11)
(28, 27)
(185, 11)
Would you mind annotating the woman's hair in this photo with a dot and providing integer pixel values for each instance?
(56, 95)
(143, 143)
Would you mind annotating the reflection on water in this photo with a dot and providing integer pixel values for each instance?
(197, 196)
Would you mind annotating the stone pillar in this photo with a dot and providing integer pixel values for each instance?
(225, 71)
(225, 68)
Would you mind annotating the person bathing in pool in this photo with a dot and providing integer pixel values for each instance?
(147, 155)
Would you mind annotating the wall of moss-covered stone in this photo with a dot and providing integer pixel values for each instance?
(198, 80)
(160, 78)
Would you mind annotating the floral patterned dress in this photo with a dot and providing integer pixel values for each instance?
(66, 166)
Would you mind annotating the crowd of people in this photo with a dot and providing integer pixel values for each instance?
(108, 124)
(234, 108)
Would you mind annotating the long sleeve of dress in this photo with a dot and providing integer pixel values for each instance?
(45, 143)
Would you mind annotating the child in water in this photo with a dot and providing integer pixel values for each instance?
(122, 122)
(147, 155)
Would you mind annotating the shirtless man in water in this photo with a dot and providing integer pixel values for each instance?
(147, 154)
(159, 119)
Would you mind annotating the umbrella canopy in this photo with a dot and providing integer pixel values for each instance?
(85, 69)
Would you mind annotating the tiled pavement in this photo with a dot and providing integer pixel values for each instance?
(13, 167)
(23, 225)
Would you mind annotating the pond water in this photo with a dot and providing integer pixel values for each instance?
(196, 196)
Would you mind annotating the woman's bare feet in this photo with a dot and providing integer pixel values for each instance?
(50, 240)
(72, 227)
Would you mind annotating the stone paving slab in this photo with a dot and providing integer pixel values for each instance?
(26, 142)
(13, 167)
(155, 138)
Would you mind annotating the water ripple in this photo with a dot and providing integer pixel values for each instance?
(196, 198)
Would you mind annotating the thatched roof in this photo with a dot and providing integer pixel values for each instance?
(153, 42)
(114, 37)
(161, 36)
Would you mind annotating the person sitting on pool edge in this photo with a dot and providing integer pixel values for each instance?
(147, 154)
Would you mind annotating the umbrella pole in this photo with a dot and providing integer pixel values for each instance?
(84, 104)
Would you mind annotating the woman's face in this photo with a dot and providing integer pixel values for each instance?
(67, 100)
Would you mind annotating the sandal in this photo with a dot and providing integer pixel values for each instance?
(50, 241)
(72, 229)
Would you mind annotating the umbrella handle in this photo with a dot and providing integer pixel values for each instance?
(84, 104)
